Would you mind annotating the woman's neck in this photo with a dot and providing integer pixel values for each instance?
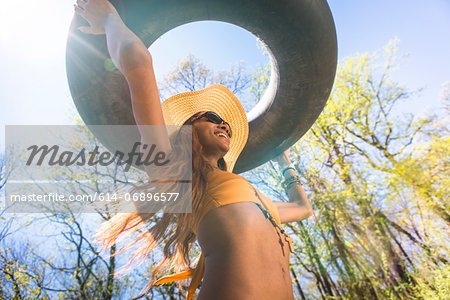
(212, 161)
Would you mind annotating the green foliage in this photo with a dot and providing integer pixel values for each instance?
(260, 81)
(377, 179)
(434, 284)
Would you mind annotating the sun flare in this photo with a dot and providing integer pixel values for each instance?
(33, 29)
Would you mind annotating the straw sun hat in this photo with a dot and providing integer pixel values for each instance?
(177, 109)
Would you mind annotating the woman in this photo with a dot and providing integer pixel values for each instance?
(245, 253)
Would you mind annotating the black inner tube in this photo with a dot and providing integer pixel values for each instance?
(300, 37)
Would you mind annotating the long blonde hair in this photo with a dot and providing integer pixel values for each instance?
(175, 229)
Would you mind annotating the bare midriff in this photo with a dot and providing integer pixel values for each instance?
(244, 256)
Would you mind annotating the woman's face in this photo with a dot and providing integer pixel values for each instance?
(213, 137)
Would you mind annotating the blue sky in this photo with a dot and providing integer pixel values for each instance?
(34, 89)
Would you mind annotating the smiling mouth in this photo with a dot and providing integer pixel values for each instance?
(221, 134)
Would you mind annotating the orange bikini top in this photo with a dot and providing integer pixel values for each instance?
(223, 188)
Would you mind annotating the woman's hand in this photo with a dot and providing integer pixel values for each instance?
(96, 13)
(283, 159)
(298, 207)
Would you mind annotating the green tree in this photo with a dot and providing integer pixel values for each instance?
(367, 237)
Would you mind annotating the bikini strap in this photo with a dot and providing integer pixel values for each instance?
(268, 216)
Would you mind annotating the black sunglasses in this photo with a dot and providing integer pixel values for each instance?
(214, 118)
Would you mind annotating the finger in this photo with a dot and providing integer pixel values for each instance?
(85, 29)
(81, 4)
(79, 10)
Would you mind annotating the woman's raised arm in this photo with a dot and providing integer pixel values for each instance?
(134, 61)
(298, 208)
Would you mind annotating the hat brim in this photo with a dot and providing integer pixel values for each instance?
(178, 108)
